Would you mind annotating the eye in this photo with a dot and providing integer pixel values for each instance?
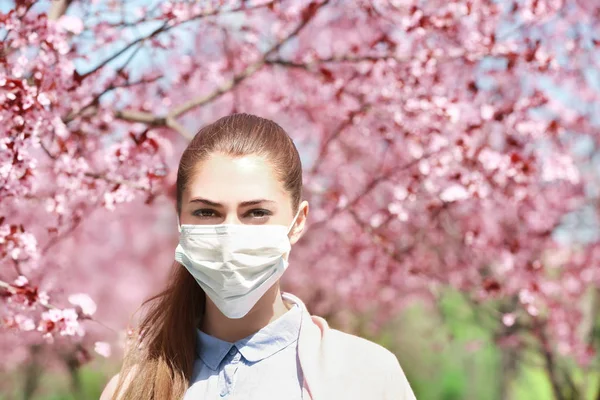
(205, 213)
(258, 213)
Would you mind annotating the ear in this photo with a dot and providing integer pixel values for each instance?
(298, 228)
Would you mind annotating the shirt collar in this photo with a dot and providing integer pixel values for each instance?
(271, 339)
(210, 349)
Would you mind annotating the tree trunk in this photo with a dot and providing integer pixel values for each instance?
(33, 372)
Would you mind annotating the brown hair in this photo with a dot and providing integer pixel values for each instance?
(160, 365)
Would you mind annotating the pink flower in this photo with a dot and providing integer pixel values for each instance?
(24, 323)
(431, 170)
(454, 193)
(102, 348)
(508, 319)
(71, 24)
(88, 306)
(21, 281)
(64, 322)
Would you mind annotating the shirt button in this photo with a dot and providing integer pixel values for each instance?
(232, 351)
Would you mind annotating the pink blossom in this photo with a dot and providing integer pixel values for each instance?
(508, 319)
(425, 169)
(454, 193)
(21, 281)
(71, 23)
(88, 306)
(102, 348)
(24, 323)
(64, 322)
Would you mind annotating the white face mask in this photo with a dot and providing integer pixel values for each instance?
(234, 264)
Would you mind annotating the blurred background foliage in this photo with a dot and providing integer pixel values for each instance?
(447, 351)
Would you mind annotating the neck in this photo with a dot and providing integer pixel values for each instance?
(267, 309)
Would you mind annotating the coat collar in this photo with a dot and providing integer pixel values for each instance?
(312, 330)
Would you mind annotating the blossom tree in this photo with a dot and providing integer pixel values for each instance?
(445, 143)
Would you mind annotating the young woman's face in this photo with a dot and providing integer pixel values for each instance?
(238, 190)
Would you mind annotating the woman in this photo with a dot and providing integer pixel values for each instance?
(222, 328)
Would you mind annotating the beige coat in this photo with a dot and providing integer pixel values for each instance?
(337, 365)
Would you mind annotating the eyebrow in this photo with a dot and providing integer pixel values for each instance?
(242, 204)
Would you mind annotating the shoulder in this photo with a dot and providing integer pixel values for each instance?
(366, 363)
(359, 349)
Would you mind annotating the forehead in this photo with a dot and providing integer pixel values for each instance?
(227, 179)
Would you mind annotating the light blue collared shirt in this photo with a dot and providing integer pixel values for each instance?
(261, 366)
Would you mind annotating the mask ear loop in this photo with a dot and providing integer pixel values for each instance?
(293, 222)
(178, 225)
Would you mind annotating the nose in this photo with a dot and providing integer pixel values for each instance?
(232, 219)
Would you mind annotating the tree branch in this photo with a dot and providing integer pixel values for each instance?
(92, 105)
(347, 122)
(550, 365)
(173, 124)
(372, 185)
(334, 60)
(140, 116)
(56, 239)
(114, 181)
(202, 100)
(166, 27)
(246, 73)
(58, 9)
(124, 49)
(170, 119)
(153, 120)
(49, 306)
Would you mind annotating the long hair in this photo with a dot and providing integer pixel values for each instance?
(159, 365)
